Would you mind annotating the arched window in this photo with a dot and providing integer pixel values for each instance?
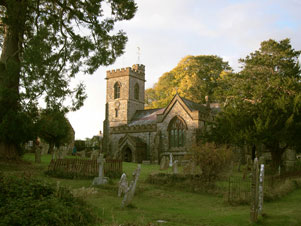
(176, 131)
(136, 92)
(116, 90)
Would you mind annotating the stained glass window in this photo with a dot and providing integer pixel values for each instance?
(177, 129)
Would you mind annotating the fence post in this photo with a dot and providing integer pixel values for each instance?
(261, 190)
(254, 192)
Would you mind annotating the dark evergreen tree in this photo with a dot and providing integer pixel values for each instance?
(44, 44)
(263, 105)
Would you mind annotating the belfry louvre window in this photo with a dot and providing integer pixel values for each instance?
(176, 130)
(116, 90)
(136, 92)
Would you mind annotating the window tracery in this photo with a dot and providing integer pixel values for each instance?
(176, 130)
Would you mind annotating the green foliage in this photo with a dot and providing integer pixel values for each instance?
(43, 45)
(210, 160)
(194, 78)
(181, 206)
(80, 145)
(54, 128)
(263, 105)
(26, 201)
(61, 173)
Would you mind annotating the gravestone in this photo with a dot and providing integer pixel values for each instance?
(129, 194)
(175, 167)
(62, 152)
(290, 159)
(164, 163)
(123, 185)
(94, 154)
(170, 159)
(100, 179)
(38, 150)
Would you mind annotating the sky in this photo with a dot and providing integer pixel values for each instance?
(165, 31)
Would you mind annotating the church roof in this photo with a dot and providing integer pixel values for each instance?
(143, 117)
(149, 116)
(193, 106)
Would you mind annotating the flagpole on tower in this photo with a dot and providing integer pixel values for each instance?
(138, 54)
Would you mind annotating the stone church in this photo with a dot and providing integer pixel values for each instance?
(135, 134)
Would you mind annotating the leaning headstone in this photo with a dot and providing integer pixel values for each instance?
(175, 167)
(129, 195)
(100, 179)
(123, 185)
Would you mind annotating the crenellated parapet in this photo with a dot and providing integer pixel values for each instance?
(133, 129)
(137, 70)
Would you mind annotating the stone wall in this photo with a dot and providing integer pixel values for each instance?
(192, 125)
(146, 137)
(126, 105)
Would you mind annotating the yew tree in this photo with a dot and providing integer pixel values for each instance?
(44, 44)
(263, 105)
(54, 128)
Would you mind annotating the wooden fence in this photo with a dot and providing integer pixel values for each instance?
(84, 167)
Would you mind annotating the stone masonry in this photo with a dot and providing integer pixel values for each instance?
(134, 134)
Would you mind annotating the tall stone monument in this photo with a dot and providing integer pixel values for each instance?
(101, 179)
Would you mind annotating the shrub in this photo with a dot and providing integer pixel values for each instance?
(210, 160)
(191, 183)
(26, 201)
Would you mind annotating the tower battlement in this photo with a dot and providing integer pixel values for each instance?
(137, 70)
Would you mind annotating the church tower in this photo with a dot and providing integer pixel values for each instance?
(125, 94)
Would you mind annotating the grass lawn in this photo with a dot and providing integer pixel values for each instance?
(153, 203)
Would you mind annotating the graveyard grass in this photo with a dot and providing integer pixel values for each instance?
(153, 203)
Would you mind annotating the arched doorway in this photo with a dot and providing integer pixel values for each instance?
(127, 155)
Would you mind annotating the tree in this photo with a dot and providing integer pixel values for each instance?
(44, 44)
(195, 77)
(54, 128)
(264, 104)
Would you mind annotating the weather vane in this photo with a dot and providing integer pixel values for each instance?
(138, 53)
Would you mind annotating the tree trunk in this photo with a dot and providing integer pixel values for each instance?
(8, 152)
(10, 68)
(50, 149)
(276, 157)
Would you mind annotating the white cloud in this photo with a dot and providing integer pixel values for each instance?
(168, 30)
